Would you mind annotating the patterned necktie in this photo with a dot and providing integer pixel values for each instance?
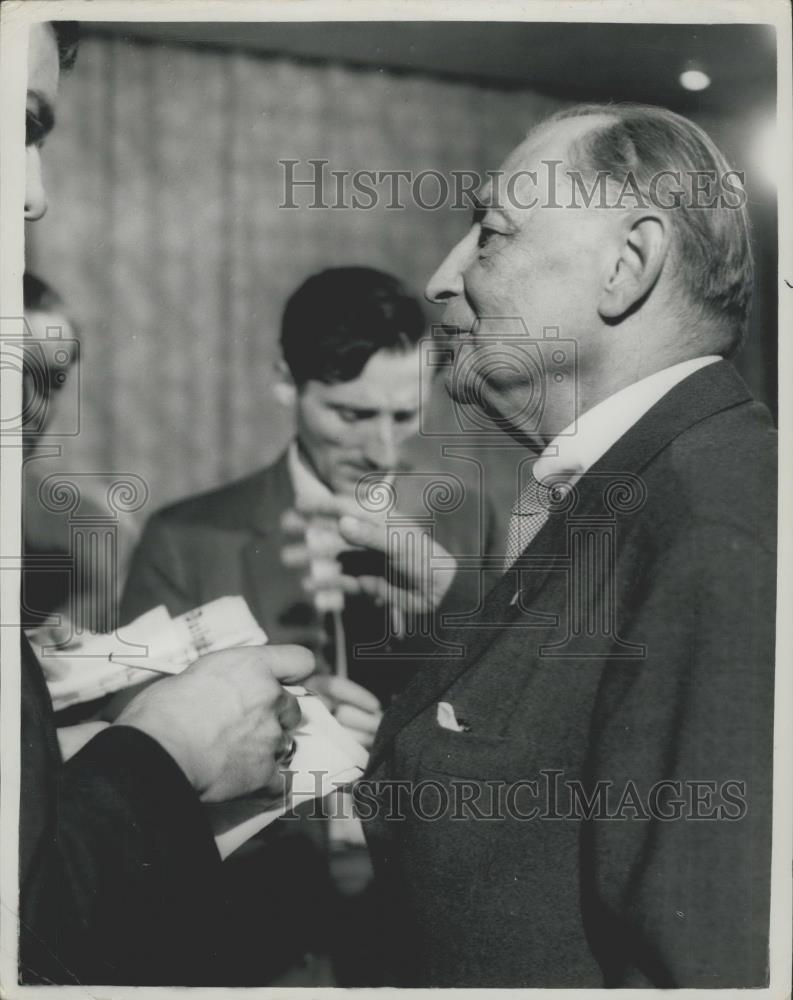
(529, 514)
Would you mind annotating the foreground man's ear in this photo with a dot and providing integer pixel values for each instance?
(643, 250)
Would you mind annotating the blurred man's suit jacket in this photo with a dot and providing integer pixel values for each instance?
(594, 902)
(229, 541)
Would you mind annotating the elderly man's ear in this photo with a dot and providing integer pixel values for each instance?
(284, 388)
(642, 248)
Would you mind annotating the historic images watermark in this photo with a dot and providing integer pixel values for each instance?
(545, 796)
(313, 183)
(49, 368)
(587, 508)
(544, 363)
(90, 503)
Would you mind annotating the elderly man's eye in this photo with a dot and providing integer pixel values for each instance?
(486, 236)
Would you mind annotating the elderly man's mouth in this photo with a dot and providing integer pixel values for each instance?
(452, 331)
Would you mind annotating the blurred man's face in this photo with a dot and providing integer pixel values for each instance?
(542, 265)
(349, 429)
(42, 93)
(44, 373)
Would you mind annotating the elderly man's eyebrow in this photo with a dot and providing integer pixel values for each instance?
(481, 209)
(482, 204)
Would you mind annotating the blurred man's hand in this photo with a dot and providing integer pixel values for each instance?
(355, 708)
(420, 570)
(226, 720)
(315, 548)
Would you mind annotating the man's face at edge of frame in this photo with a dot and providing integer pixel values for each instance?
(40, 101)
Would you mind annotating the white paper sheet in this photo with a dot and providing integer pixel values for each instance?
(326, 757)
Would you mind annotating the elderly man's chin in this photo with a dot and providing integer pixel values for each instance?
(469, 390)
(453, 386)
(467, 380)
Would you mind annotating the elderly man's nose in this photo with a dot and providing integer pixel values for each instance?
(35, 195)
(447, 282)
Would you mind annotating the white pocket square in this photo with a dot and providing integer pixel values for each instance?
(447, 719)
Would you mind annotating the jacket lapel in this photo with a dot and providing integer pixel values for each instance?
(267, 583)
(711, 389)
(500, 610)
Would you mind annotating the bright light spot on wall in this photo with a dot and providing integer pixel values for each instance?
(694, 79)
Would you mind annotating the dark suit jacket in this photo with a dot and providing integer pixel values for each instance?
(118, 868)
(670, 678)
(229, 541)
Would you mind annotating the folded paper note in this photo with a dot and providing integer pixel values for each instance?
(98, 664)
(326, 756)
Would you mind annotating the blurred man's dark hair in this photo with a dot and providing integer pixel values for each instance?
(67, 37)
(338, 319)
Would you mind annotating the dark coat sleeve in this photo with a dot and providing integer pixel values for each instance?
(684, 901)
(157, 574)
(118, 868)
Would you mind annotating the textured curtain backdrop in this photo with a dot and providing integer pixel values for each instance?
(166, 239)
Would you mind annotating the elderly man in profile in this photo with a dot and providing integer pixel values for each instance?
(596, 766)
(118, 869)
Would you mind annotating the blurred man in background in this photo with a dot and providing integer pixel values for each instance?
(350, 342)
(118, 869)
(351, 370)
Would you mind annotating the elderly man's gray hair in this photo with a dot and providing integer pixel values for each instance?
(638, 143)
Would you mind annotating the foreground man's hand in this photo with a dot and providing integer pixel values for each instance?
(420, 569)
(226, 720)
(72, 739)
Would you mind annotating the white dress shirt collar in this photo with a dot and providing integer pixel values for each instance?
(579, 446)
(309, 488)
